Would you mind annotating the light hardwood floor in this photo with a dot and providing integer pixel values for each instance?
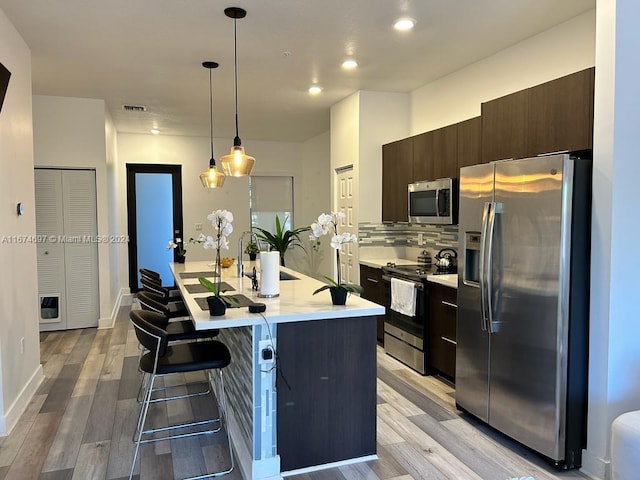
(80, 422)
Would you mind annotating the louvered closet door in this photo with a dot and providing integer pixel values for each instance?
(66, 224)
(49, 226)
(80, 248)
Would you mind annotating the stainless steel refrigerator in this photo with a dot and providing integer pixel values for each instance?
(523, 301)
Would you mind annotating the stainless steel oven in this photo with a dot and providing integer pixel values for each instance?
(404, 336)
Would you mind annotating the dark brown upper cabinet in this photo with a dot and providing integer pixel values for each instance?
(561, 114)
(422, 157)
(504, 126)
(469, 142)
(551, 117)
(397, 173)
(435, 154)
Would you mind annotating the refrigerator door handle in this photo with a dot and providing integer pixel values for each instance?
(489, 265)
(486, 212)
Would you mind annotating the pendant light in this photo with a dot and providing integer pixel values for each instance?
(212, 177)
(237, 163)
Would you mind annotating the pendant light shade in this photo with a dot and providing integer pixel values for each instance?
(212, 177)
(237, 163)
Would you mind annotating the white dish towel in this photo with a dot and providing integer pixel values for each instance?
(403, 297)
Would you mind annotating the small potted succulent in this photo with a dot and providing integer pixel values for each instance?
(252, 250)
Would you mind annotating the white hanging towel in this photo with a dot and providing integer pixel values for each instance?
(403, 297)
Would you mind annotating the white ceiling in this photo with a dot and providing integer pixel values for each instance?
(149, 52)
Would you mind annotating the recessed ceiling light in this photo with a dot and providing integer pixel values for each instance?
(155, 131)
(315, 89)
(404, 24)
(349, 64)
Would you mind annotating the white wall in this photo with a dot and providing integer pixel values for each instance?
(360, 125)
(20, 373)
(303, 161)
(564, 49)
(614, 366)
(70, 132)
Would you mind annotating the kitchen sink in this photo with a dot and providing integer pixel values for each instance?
(283, 276)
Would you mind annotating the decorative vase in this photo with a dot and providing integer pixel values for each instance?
(180, 258)
(217, 307)
(252, 257)
(338, 295)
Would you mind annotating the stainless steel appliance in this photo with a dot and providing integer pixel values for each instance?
(405, 336)
(433, 201)
(523, 301)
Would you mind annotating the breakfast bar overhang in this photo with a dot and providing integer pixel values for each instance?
(310, 405)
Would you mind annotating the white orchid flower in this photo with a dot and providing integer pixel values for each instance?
(224, 244)
(227, 229)
(339, 215)
(209, 242)
(171, 245)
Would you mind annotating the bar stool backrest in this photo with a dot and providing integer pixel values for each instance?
(151, 337)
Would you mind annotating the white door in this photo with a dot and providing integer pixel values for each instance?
(66, 225)
(344, 192)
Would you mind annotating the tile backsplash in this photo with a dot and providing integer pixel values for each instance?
(406, 236)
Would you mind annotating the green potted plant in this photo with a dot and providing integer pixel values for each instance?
(328, 223)
(218, 302)
(252, 250)
(282, 239)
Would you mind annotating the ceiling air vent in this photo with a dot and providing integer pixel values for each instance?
(134, 108)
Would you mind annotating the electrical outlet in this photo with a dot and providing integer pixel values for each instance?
(420, 239)
(198, 227)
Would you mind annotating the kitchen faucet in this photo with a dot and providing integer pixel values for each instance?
(240, 266)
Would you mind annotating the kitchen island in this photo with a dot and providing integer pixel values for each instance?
(312, 405)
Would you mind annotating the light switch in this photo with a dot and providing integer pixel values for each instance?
(198, 227)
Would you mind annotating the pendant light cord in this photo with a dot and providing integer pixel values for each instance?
(236, 140)
(212, 162)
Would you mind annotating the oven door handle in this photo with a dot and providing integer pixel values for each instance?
(419, 286)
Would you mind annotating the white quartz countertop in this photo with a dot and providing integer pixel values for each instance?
(294, 304)
(450, 281)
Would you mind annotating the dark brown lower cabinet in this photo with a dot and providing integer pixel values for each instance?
(326, 391)
(374, 290)
(442, 330)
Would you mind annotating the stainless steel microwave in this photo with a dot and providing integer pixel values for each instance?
(434, 202)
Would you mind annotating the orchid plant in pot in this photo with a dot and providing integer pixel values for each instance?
(180, 251)
(222, 223)
(328, 224)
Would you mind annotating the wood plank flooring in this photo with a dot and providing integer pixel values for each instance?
(80, 423)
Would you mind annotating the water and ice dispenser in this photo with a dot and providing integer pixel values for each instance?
(471, 273)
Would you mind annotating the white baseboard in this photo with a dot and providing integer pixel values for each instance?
(595, 467)
(15, 411)
(326, 466)
(124, 298)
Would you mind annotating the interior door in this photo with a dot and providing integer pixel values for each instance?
(344, 190)
(154, 208)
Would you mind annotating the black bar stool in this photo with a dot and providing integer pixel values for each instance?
(151, 301)
(163, 359)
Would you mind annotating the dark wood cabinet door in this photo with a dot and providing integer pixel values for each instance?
(374, 290)
(397, 173)
(442, 330)
(423, 167)
(469, 142)
(504, 127)
(445, 152)
(561, 114)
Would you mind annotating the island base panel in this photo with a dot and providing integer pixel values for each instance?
(326, 392)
